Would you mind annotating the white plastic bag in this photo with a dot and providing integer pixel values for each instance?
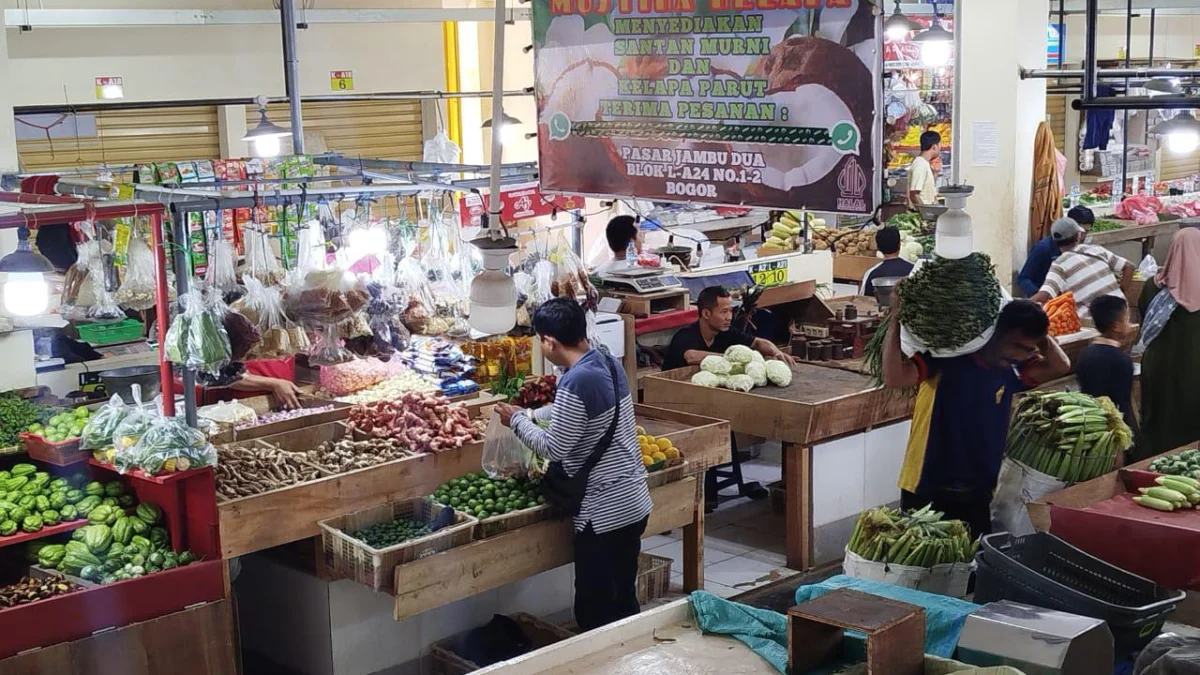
(222, 267)
(1148, 267)
(137, 287)
(946, 579)
(1016, 487)
(504, 456)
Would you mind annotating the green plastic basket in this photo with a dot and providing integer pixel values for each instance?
(111, 332)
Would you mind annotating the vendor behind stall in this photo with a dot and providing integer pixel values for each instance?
(960, 420)
(620, 233)
(713, 333)
(887, 241)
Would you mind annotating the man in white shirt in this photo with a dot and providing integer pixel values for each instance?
(922, 182)
(620, 232)
(1086, 270)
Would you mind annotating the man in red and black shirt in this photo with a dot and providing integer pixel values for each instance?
(960, 420)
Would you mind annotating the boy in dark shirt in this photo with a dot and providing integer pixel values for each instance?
(1104, 367)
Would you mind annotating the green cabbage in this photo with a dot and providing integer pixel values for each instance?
(739, 383)
(716, 365)
(739, 354)
(705, 379)
(758, 373)
(757, 357)
(779, 373)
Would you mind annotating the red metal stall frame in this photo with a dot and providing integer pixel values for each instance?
(65, 210)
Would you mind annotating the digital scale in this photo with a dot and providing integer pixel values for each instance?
(642, 280)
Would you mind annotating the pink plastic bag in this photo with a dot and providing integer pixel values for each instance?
(1139, 208)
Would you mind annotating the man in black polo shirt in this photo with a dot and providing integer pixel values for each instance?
(712, 334)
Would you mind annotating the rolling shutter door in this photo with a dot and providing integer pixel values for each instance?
(1175, 166)
(124, 137)
(373, 129)
(1056, 115)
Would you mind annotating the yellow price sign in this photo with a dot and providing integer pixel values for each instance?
(341, 80)
(771, 273)
(125, 191)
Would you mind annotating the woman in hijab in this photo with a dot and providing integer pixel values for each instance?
(1171, 361)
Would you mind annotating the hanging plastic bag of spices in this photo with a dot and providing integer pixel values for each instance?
(103, 276)
(222, 266)
(137, 288)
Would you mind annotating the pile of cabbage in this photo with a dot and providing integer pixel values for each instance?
(741, 369)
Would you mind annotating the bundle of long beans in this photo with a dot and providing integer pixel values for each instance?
(949, 302)
(1069, 435)
(920, 538)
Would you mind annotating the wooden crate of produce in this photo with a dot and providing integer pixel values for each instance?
(291, 513)
(703, 440)
(350, 558)
(519, 554)
(853, 267)
(446, 654)
(507, 522)
(265, 404)
(668, 474)
(819, 403)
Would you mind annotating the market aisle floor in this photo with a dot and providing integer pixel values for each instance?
(743, 541)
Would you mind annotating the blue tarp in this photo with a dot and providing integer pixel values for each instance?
(765, 631)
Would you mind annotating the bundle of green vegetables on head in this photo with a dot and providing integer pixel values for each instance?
(1068, 435)
(920, 538)
(947, 303)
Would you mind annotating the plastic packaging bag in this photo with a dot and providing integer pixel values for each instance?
(100, 427)
(310, 249)
(104, 306)
(263, 307)
(260, 260)
(197, 337)
(325, 297)
(1169, 654)
(168, 445)
(1148, 267)
(1017, 486)
(504, 456)
(222, 267)
(135, 423)
(228, 413)
(352, 376)
(137, 288)
(327, 349)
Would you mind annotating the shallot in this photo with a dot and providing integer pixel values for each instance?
(421, 422)
(283, 415)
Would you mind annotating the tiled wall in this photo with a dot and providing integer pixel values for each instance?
(354, 632)
(850, 475)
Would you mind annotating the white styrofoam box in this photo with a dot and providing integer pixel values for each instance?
(610, 329)
(366, 639)
(544, 594)
(838, 485)
(885, 457)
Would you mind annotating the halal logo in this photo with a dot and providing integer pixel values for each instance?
(852, 181)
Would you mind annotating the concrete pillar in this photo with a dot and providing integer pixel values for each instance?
(997, 38)
(8, 132)
(231, 128)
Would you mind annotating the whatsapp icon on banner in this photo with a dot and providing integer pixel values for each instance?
(560, 126)
(844, 138)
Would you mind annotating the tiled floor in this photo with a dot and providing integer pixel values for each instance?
(743, 540)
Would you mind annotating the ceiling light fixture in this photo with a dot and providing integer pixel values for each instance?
(898, 26)
(508, 128)
(1182, 132)
(266, 135)
(937, 43)
(25, 289)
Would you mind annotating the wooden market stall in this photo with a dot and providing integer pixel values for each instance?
(292, 513)
(818, 405)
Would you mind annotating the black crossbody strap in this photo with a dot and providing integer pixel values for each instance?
(605, 441)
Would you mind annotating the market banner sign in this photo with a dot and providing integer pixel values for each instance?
(768, 103)
(516, 203)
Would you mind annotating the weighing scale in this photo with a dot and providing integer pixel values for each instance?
(642, 280)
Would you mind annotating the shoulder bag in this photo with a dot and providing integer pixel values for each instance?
(564, 492)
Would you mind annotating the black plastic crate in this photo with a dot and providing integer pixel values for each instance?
(1045, 571)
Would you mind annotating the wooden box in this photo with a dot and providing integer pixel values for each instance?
(819, 403)
(895, 632)
(853, 267)
(265, 404)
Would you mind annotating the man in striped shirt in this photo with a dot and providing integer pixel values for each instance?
(616, 502)
(1086, 270)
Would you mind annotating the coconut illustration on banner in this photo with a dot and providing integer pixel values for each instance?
(717, 101)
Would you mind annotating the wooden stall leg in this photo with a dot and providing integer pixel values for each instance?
(693, 545)
(798, 519)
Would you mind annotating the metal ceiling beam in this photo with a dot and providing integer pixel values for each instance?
(125, 18)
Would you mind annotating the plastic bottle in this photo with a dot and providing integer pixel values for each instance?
(631, 254)
(1074, 200)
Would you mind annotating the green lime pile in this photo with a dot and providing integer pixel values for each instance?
(477, 495)
(62, 426)
(392, 532)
